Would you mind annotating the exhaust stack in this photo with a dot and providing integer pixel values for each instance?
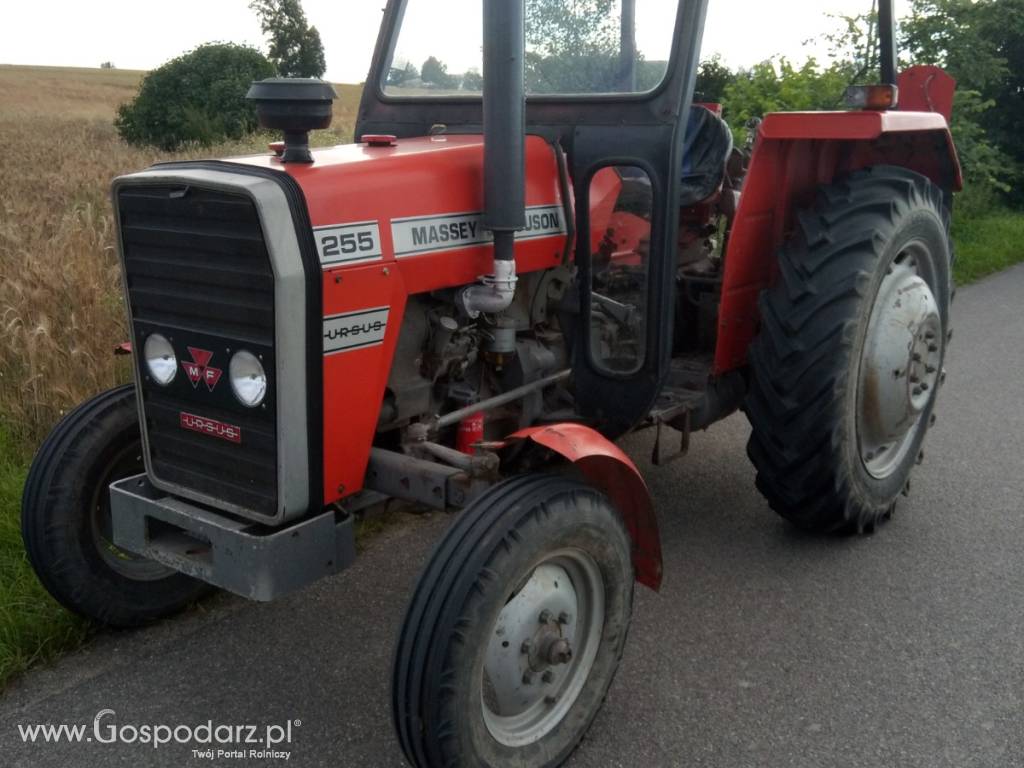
(887, 41)
(504, 107)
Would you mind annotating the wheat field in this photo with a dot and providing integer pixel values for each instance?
(61, 309)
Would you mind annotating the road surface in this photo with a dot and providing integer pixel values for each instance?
(765, 648)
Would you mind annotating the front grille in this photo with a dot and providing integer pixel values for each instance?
(197, 271)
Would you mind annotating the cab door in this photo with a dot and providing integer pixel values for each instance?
(626, 161)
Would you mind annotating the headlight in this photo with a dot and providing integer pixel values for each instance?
(248, 380)
(160, 359)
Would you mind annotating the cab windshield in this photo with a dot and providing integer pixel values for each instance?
(572, 47)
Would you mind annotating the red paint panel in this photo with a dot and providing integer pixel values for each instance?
(848, 125)
(927, 89)
(605, 187)
(795, 154)
(609, 469)
(354, 379)
(407, 178)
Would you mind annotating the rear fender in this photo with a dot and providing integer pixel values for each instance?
(610, 470)
(796, 154)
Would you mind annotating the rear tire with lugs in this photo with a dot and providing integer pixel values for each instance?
(846, 367)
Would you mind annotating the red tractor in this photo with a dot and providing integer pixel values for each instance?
(503, 270)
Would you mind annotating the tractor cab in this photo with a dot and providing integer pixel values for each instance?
(610, 93)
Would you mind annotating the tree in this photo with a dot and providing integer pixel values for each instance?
(580, 28)
(713, 78)
(981, 44)
(1003, 23)
(572, 47)
(295, 47)
(779, 86)
(435, 72)
(399, 74)
(196, 98)
(957, 36)
(472, 80)
(107, 65)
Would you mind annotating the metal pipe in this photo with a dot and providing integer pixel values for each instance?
(504, 112)
(887, 41)
(505, 397)
(474, 464)
(627, 47)
(504, 105)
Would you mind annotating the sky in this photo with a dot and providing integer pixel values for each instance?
(142, 34)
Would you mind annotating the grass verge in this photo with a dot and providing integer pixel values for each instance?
(987, 244)
(33, 627)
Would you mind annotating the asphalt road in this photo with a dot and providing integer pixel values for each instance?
(765, 647)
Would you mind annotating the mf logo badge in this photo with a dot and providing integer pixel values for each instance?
(200, 370)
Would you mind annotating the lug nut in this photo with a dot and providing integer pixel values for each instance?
(564, 618)
(526, 647)
(527, 678)
(550, 699)
(917, 357)
(933, 347)
(924, 386)
(547, 677)
(917, 391)
(929, 369)
(914, 379)
(545, 616)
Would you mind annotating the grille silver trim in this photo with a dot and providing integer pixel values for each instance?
(293, 492)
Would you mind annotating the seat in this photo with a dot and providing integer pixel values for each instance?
(706, 151)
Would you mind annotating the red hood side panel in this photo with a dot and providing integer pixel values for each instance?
(391, 222)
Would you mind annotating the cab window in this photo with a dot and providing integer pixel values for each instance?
(571, 48)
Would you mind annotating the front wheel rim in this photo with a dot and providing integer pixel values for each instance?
(126, 462)
(900, 365)
(542, 648)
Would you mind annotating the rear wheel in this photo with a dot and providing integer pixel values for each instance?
(850, 355)
(66, 522)
(515, 629)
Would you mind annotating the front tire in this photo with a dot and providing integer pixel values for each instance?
(515, 629)
(850, 355)
(65, 519)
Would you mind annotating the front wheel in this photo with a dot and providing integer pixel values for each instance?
(515, 629)
(850, 355)
(66, 522)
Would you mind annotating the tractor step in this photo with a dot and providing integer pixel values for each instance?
(683, 393)
(685, 389)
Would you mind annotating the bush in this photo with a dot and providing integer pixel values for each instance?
(196, 98)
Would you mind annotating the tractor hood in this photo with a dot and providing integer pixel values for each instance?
(424, 195)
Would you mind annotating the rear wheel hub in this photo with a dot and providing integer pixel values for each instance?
(900, 366)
